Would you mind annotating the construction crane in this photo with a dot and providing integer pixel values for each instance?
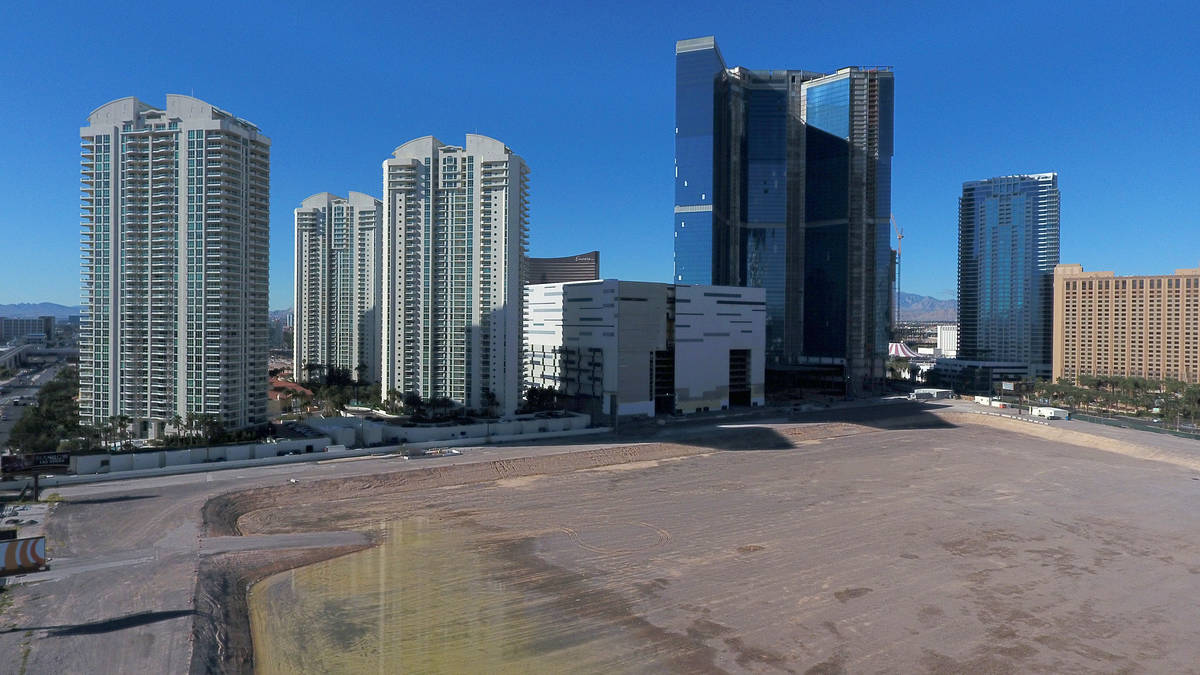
(899, 251)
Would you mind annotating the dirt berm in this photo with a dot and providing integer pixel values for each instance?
(221, 514)
(221, 629)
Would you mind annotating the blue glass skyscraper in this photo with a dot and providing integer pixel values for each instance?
(699, 79)
(783, 181)
(1008, 240)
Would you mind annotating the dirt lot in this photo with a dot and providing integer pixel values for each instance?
(868, 541)
(958, 546)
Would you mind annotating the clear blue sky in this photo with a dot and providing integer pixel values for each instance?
(1103, 93)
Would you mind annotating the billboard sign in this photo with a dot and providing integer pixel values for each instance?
(42, 460)
(23, 555)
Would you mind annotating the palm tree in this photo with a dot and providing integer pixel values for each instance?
(125, 434)
(490, 402)
(358, 378)
(114, 428)
(212, 428)
(413, 403)
(441, 405)
(310, 368)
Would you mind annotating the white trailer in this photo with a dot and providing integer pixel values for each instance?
(1050, 413)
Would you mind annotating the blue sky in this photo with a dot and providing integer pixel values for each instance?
(1103, 93)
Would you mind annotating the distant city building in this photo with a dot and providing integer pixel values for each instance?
(1135, 326)
(637, 348)
(174, 269)
(978, 377)
(582, 267)
(22, 327)
(783, 182)
(339, 244)
(915, 333)
(947, 341)
(1008, 239)
(454, 248)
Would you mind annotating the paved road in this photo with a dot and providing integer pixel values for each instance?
(27, 386)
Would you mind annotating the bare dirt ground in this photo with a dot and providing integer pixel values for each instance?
(965, 544)
(882, 541)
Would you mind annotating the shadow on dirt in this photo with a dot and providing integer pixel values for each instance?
(110, 500)
(108, 625)
(775, 431)
(904, 415)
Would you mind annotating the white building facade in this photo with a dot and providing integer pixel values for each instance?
(454, 241)
(174, 265)
(620, 348)
(339, 247)
(947, 341)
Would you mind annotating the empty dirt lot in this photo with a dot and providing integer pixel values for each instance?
(871, 540)
(958, 547)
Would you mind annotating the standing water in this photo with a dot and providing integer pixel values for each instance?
(435, 597)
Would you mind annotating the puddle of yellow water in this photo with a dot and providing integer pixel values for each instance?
(430, 599)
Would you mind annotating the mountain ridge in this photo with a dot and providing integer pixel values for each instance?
(25, 310)
(914, 307)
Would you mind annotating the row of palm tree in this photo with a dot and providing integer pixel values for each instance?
(1170, 399)
(197, 425)
(412, 404)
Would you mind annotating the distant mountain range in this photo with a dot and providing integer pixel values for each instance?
(915, 307)
(22, 310)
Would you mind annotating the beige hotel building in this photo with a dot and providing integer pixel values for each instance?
(1137, 326)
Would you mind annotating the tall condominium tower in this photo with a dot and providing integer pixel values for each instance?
(1007, 250)
(174, 265)
(339, 244)
(783, 181)
(453, 248)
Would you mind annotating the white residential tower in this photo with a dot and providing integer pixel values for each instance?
(174, 265)
(338, 247)
(454, 248)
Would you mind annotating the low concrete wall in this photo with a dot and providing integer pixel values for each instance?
(351, 431)
(291, 459)
(147, 460)
(158, 459)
